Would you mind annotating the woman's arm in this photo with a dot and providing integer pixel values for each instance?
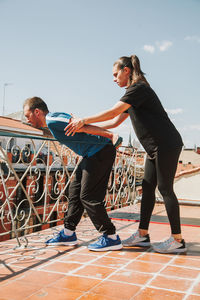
(77, 123)
(114, 122)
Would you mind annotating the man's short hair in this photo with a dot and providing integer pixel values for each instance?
(36, 102)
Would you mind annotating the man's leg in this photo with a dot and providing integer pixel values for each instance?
(95, 176)
(73, 215)
(75, 207)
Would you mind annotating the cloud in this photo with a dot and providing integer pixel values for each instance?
(161, 46)
(149, 48)
(194, 38)
(164, 45)
(174, 111)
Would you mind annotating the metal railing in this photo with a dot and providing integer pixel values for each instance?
(35, 173)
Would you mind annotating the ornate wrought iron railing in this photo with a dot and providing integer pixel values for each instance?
(35, 173)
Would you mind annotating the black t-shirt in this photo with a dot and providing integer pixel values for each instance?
(150, 121)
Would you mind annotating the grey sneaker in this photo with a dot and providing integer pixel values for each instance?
(136, 240)
(170, 246)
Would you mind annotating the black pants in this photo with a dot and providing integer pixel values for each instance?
(160, 171)
(88, 189)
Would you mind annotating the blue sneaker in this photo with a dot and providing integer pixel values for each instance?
(62, 239)
(104, 243)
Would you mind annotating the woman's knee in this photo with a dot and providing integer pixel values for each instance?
(166, 191)
(148, 186)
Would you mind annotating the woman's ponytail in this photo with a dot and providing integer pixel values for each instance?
(137, 74)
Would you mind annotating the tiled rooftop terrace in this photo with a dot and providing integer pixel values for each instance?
(66, 273)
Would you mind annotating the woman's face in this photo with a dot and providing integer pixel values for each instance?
(121, 76)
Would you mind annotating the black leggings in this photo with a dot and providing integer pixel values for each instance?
(160, 172)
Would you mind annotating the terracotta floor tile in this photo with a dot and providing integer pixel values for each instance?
(55, 294)
(180, 272)
(7, 258)
(186, 261)
(76, 283)
(8, 271)
(62, 267)
(95, 272)
(110, 262)
(193, 297)
(127, 253)
(157, 294)
(79, 258)
(155, 257)
(113, 289)
(130, 276)
(26, 262)
(84, 250)
(39, 278)
(143, 266)
(4, 247)
(16, 290)
(63, 249)
(171, 283)
(41, 253)
(92, 296)
(196, 289)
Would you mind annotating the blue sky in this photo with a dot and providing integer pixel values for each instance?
(63, 51)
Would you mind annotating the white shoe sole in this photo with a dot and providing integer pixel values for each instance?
(142, 244)
(63, 244)
(170, 251)
(116, 247)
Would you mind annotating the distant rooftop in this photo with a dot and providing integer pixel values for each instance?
(17, 116)
(190, 156)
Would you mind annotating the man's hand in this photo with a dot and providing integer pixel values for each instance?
(74, 125)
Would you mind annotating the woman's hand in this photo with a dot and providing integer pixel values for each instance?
(74, 125)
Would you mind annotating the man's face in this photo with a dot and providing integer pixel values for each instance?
(32, 117)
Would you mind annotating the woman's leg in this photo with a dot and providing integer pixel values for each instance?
(166, 165)
(141, 237)
(148, 195)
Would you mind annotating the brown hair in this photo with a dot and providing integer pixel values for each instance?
(36, 102)
(133, 63)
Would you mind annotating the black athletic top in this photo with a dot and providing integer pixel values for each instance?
(149, 119)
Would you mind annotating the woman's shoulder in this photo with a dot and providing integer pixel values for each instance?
(140, 84)
(138, 87)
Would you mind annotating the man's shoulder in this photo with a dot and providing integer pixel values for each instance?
(58, 116)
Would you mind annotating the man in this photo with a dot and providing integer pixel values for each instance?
(88, 188)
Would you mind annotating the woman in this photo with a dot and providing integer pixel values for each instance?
(161, 141)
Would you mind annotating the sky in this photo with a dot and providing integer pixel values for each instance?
(63, 51)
